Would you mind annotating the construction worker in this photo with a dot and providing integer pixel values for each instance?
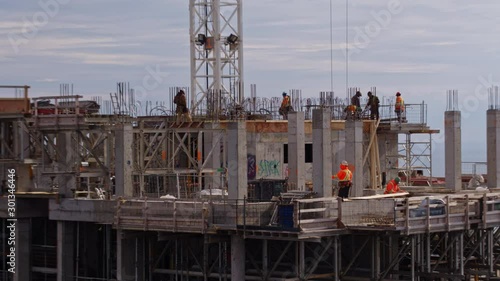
(285, 106)
(399, 106)
(393, 186)
(345, 179)
(356, 105)
(181, 110)
(373, 103)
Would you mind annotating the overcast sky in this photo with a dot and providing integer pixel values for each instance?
(420, 48)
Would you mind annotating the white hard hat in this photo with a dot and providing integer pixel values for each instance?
(345, 163)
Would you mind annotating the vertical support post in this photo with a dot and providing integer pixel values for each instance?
(336, 257)
(123, 162)
(453, 150)
(212, 155)
(354, 154)
(493, 147)
(65, 250)
(413, 258)
(428, 252)
(125, 257)
(322, 152)
(205, 257)
(302, 260)
(66, 163)
(377, 255)
(338, 149)
(265, 258)
(296, 150)
(237, 162)
(408, 159)
(237, 258)
(23, 250)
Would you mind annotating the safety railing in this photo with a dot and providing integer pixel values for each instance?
(433, 214)
(191, 216)
(317, 213)
(406, 215)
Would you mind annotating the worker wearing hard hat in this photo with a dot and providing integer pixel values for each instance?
(285, 107)
(345, 179)
(393, 186)
(399, 106)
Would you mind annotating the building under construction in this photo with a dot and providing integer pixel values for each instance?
(108, 191)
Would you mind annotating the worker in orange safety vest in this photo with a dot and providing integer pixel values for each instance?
(345, 179)
(285, 106)
(399, 106)
(393, 186)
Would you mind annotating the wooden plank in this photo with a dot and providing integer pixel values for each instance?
(378, 196)
(312, 200)
(317, 220)
(312, 210)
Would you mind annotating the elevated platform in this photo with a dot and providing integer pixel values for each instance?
(311, 218)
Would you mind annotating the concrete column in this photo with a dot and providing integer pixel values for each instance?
(296, 150)
(453, 150)
(66, 163)
(211, 144)
(65, 251)
(388, 153)
(123, 160)
(23, 249)
(237, 160)
(338, 149)
(125, 257)
(237, 258)
(22, 140)
(322, 152)
(354, 154)
(493, 147)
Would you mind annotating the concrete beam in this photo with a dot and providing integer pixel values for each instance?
(322, 152)
(354, 155)
(123, 160)
(453, 150)
(65, 251)
(296, 150)
(493, 147)
(237, 160)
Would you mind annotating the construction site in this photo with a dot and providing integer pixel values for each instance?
(111, 189)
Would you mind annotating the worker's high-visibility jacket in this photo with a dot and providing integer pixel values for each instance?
(400, 105)
(392, 187)
(344, 175)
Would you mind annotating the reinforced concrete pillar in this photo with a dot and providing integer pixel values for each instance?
(493, 147)
(23, 250)
(211, 149)
(322, 152)
(338, 149)
(388, 153)
(125, 257)
(237, 160)
(66, 163)
(123, 160)
(354, 154)
(65, 251)
(453, 150)
(296, 150)
(237, 258)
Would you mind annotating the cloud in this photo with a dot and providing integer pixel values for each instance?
(47, 80)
